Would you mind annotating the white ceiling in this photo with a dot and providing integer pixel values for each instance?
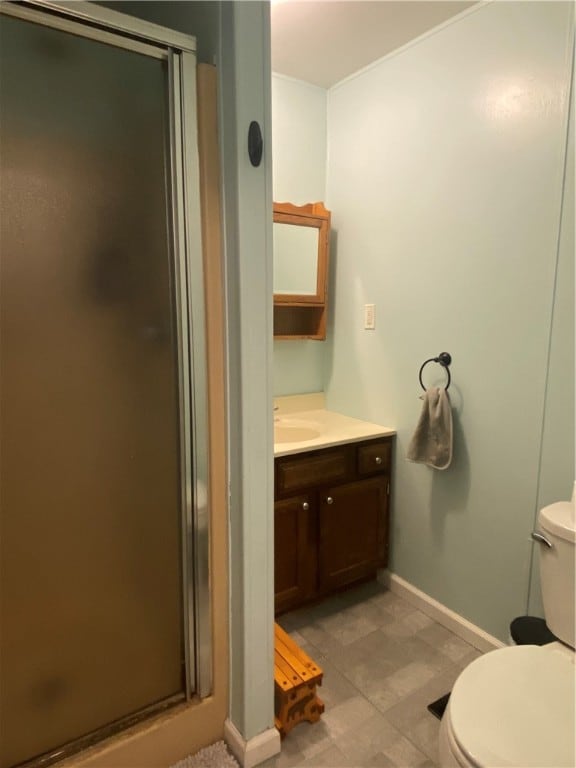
(324, 41)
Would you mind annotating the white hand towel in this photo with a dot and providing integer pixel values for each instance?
(431, 443)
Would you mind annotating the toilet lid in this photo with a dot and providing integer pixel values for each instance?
(515, 707)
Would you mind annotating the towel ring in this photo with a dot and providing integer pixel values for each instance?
(444, 358)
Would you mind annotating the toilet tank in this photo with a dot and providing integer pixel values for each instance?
(557, 526)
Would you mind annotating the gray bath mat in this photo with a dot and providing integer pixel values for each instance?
(214, 756)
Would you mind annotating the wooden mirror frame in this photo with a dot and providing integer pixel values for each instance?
(310, 215)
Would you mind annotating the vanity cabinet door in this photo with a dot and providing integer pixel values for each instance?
(353, 535)
(295, 551)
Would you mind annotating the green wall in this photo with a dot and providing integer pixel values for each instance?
(445, 178)
(299, 177)
(557, 450)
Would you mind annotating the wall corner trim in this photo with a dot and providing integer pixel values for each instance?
(254, 751)
(445, 616)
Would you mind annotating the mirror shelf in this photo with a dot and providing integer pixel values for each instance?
(301, 248)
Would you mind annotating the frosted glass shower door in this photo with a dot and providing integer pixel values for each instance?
(91, 566)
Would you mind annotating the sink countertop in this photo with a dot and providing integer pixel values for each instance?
(334, 428)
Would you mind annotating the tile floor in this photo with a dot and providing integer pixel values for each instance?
(384, 661)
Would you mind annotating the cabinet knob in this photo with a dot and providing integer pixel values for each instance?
(378, 460)
(329, 500)
(305, 506)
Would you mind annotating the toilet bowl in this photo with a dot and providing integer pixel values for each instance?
(512, 707)
(516, 706)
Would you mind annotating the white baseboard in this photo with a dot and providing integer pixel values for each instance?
(254, 751)
(440, 613)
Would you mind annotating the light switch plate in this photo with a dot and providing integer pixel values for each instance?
(369, 317)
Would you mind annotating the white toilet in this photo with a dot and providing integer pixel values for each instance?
(515, 706)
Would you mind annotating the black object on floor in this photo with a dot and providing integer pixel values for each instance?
(437, 707)
(525, 630)
(530, 630)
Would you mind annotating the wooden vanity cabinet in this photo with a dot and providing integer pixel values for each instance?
(353, 522)
(294, 551)
(331, 517)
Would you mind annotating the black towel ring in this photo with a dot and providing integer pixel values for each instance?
(444, 358)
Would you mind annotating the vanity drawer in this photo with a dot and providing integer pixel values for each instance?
(296, 472)
(374, 458)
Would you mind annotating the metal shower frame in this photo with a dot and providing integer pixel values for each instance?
(179, 51)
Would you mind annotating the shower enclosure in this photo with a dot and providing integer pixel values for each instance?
(104, 537)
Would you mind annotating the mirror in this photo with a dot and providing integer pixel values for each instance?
(295, 259)
(300, 240)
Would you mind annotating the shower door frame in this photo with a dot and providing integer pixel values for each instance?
(179, 51)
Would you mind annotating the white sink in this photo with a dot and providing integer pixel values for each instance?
(295, 431)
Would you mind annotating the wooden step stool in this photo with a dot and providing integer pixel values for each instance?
(295, 679)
